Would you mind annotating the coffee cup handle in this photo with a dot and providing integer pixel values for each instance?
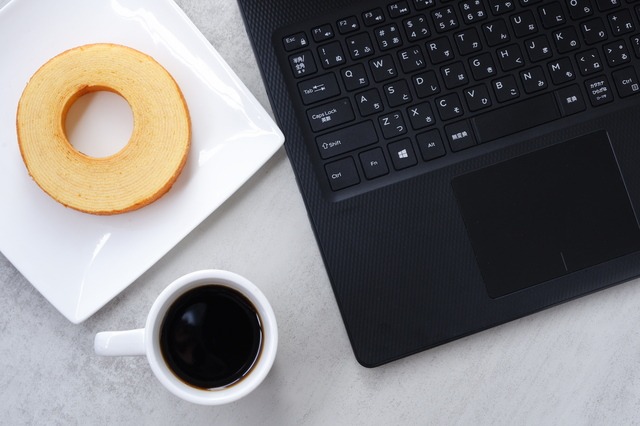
(120, 343)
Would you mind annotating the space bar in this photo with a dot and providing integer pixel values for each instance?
(516, 117)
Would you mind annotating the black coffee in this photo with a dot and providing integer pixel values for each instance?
(211, 336)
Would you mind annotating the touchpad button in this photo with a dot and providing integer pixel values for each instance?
(548, 213)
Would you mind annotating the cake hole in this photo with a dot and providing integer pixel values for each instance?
(99, 124)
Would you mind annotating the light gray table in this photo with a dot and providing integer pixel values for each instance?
(578, 363)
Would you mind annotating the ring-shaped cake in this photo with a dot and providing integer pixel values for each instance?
(138, 174)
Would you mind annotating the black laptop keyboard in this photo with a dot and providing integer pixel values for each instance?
(397, 87)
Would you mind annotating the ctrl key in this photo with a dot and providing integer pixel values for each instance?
(342, 173)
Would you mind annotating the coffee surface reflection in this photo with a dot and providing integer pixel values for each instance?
(211, 336)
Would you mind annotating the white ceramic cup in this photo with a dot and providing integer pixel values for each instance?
(146, 341)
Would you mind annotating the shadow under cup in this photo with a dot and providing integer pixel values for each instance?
(212, 339)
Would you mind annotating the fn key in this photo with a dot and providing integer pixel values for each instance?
(342, 173)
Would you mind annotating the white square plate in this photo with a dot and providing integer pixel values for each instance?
(79, 261)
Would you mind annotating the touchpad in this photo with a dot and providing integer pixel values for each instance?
(547, 214)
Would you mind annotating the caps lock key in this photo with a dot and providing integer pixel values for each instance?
(330, 115)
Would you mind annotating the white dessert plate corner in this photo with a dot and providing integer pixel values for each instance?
(79, 261)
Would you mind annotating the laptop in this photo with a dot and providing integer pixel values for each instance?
(463, 163)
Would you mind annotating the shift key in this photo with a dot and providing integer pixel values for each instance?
(330, 115)
(347, 139)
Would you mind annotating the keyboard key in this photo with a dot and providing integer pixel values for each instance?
(496, 32)
(472, 11)
(621, 22)
(373, 163)
(430, 144)
(533, 80)
(635, 45)
(346, 139)
(360, 46)
(593, 31)
(342, 174)
(295, 41)
(510, 57)
(318, 89)
(505, 88)
(498, 7)
(607, 4)
(322, 33)
(516, 117)
(416, 28)
(579, 9)
(369, 102)
(551, 15)
(421, 115)
(302, 64)
(454, 75)
(402, 154)
(348, 25)
(397, 9)
(411, 59)
(538, 48)
(397, 93)
(616, 53)
(373, 17)
(468, 41)
(566, 40)
(354, 77)
(477, 97)
(482, 66)
(330, 115)
(524, 23)
(571, 100)
(331, 54)
(561, 71)
(426, 84)
(423, 4)
(445, 19)
(589, 62)
(460, 136)
(388, 37)
(626, 81)
(449, 106)
(383, 68)
(392, 125)
(439, 50)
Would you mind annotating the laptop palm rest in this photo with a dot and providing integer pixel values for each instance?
(547, 213)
